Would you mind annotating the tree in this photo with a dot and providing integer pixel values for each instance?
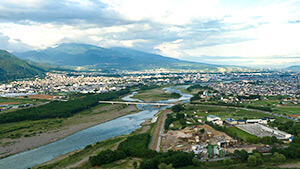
(165, 166)
(243, 154)
(177, 108)
(134, 165)
(277, 158)
(252, 161)
(202, 131)
(274, 139)
(259, 159)
(196, 162)
(266, 140)
(227, 161)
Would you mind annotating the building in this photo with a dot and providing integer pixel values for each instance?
(231, 121)
(261, 131)
(260, 121)
(241, 121)
(212, 118)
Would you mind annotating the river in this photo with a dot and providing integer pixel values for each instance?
(119, 126)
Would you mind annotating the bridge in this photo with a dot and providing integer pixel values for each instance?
(142, 103)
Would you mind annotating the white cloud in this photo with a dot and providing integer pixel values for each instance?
(177, 12)
(176, 28)
(170, 48)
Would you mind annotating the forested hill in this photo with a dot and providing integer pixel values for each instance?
(12, 68)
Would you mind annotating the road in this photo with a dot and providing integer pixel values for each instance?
(156, 138)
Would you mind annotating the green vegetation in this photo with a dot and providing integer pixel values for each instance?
(289, 127)
(198, 87)
(28, 128)
(12, 68)
(242, 135)
(58, 109)
(88, 150)
(154, 93)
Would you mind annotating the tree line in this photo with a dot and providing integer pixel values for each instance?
(57, 109)
(136, 146)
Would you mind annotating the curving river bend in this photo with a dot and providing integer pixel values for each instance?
(119, 126)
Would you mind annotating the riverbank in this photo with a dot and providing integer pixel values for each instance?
(86, 119)
(79, 158)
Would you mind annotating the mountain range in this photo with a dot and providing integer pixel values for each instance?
(12, 68)
(94, 57)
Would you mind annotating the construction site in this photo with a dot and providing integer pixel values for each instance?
(203, 140)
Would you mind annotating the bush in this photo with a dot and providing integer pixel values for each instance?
(106, 157)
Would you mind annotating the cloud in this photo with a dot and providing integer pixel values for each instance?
(185, 29)
(12, 44)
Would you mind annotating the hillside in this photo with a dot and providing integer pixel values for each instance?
(12, 68)
(94, 57)
(294, 68)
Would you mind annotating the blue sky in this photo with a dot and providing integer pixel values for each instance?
(262, 33)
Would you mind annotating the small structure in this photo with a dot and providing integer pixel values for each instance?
(212, 118)
(215, 120)
(230, 121)
(241, 121)
(260, 121)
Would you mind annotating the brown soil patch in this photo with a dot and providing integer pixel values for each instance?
(38, 96)
(291, 165)
(9, 103)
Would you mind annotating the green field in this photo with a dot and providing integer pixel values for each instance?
(223, 112)
(288, 110)
(241, 134)
(20, 100)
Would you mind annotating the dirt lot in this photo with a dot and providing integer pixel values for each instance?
(9, 103)
(38, 96)
(292, 165)
(184, 139)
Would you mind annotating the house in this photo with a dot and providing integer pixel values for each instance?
(230, 121)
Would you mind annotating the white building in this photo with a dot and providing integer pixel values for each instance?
(260, 121)
(212, 118)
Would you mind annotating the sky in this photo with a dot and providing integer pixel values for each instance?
(256, 33)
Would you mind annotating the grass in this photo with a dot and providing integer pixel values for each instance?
(31, 128)
(87, 151)
(242, 134)
(223, 112)
(153, 95)
(20, 100)
(28, 128)
(288, 110)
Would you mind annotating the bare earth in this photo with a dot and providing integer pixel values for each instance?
(291, 165)
(80, 122)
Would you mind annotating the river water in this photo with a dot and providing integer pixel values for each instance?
(119, 126)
